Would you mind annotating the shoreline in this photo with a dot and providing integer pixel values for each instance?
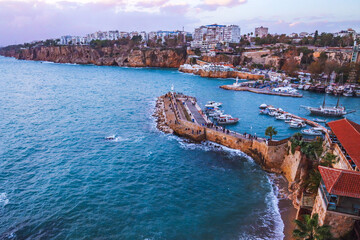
(286, 208)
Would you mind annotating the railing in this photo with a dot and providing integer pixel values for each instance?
(332, 206)
(277, 143)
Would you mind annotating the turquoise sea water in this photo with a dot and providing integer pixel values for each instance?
(60, 179)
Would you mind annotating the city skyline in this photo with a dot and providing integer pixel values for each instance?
(28, 20)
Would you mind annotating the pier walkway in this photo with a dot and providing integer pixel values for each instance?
(195, 113)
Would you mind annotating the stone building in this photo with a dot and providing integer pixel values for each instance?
(338, 200)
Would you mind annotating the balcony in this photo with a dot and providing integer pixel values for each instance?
(340, 204)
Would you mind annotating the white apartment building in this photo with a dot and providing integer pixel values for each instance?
(208, 36)
(261, 31)
(232, 34)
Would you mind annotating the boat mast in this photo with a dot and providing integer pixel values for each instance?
(337, 104)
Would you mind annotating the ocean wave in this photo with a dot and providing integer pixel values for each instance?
(273, 206)
(3, 199)
(210, 146)
(272, 217)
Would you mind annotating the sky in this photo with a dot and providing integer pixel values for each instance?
(28, 20)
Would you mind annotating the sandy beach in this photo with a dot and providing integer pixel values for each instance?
(287, 210)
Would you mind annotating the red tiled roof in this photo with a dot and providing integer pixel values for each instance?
(348, 133)
(341, 182)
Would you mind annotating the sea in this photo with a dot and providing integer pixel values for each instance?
(61, 179)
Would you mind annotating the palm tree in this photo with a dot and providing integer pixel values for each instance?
(312, 183)
(270, 131)
(309, 229)
(328, 160)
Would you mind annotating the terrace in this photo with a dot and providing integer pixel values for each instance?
(339, 190)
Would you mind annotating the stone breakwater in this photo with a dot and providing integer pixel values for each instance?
(160, 117)
(221, 74)
(272, 156)
(108, 56)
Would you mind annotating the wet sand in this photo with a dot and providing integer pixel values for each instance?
(287, 210)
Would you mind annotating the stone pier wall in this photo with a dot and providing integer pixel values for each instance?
(340, 223)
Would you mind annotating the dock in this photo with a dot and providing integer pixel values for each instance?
(259, 91)
(183, 115)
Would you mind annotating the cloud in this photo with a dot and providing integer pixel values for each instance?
(27, 21)
(294, 24)
(212, 5)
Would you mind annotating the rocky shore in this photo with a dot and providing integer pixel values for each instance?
(107, 56)
(160, 116)
(221, 74)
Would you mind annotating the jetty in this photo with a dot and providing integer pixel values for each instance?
(267, 91)
(181, 115)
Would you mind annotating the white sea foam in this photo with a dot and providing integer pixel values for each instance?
(120, 139)
(273, 206)
(3, 199)
(211, 146)
(272, 216)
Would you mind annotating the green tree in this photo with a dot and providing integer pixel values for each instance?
(312, 183)
(315, 37)
(309, 229)
(328, 160)
(270, 131)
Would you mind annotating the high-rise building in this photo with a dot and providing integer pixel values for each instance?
(261, 31)
(209, 35)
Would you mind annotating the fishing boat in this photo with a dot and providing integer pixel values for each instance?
(311, 132)
(213, 104)
(300, 87)
(226, 119)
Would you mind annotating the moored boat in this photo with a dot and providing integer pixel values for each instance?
(213, 104)
(226, 119)
(297, 124)
(319, 120)
(311, 132)
(263, 106)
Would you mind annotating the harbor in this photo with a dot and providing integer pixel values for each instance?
(262, 88)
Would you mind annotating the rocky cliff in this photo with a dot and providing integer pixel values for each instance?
(110, 56)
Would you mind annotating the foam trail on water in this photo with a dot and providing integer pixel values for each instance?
(3, 199)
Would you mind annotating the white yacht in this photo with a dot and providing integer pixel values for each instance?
(263, 106)
(225, 119)
(311, 132)
(213, 104)
(297, 124)
(285, 116)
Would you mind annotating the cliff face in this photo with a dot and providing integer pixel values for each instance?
(109, 56)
